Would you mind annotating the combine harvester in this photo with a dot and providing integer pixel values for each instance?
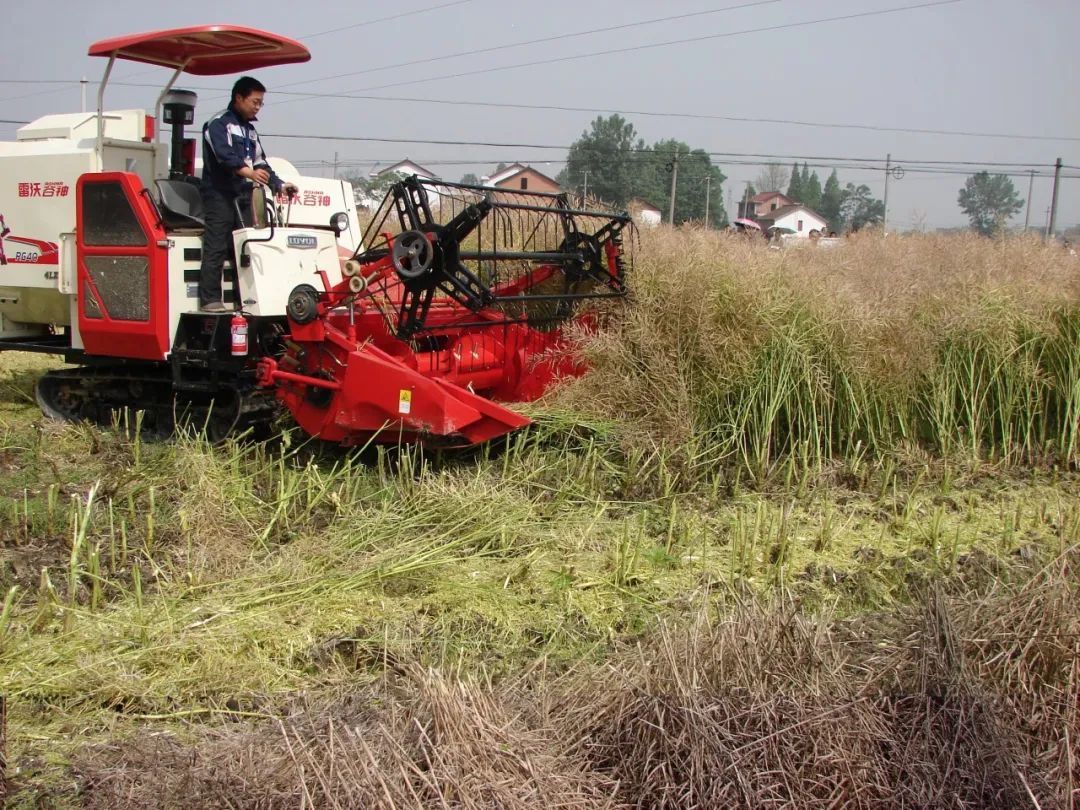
(451, 303)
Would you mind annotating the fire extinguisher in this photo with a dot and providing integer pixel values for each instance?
(239, 330)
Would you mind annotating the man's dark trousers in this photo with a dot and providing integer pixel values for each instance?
(220, 216)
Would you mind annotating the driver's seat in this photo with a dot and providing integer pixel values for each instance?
(181, 204)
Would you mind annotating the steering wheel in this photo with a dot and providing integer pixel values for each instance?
(412, 254)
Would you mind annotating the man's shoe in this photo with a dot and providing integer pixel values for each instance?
(213, 306)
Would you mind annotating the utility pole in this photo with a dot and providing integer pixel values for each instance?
(746, 201)
(335, 165)
(585, 193)
(708, 181)
(82, 83)
(1027, 208)
(1053, 201)
(674, 182)
(888, 171)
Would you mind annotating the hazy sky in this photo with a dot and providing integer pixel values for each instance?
(997, 67)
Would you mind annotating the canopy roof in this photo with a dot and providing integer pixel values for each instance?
(205, 50)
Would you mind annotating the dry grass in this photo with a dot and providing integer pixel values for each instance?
(427, 740)
(967, 699)
(742, 356)
(964, 700)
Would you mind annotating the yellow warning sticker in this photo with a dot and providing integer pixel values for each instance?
(404, 403)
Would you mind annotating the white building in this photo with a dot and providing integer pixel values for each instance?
(644, 212)
(404, 168)
(797, 218)
(380, 178)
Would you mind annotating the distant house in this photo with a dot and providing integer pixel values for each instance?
(763, 204)
(798, 218)
(405, 168)
(380, 178)
(518, 177)
(644, 212)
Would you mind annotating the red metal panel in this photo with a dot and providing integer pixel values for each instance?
(107, 335)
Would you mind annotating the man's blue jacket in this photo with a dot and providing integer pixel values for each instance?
(230, 143)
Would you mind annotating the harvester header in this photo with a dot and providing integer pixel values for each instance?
(456, 302)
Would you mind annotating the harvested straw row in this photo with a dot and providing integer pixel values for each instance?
(967, 699)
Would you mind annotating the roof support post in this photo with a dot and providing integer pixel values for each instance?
(101, 111)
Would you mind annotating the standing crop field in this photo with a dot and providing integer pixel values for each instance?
(806, 535)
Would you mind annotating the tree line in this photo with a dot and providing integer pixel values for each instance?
(612, 163)
(847, 208)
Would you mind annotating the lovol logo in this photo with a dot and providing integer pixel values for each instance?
(302, 242)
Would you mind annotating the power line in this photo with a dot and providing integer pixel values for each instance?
(63, 81)
(731, 158)
(523, 43)
(647, 113)
(768, 158)
(52, 92)
(725, 159)
(648, 46)
(743, 119)
(385, 19)
(699, 116)
(721, 166)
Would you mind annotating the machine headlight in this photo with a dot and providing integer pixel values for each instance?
(339, 222)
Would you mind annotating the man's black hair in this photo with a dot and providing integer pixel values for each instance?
(245, 86)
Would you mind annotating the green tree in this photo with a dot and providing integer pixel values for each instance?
(470, 179)
(859, 208)
(811, 189)
(832, 198)
(605, 155)
(795, 189)
(989, 200)
(374, 188)
(652, 181)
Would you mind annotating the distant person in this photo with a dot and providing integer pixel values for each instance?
(233, 162)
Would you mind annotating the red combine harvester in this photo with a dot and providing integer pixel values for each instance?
(452, 303)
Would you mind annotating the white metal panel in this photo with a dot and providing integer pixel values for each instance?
(292, 257)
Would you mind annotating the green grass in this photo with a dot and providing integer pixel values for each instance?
(198, 579)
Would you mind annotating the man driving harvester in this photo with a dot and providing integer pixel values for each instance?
(233, 162)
